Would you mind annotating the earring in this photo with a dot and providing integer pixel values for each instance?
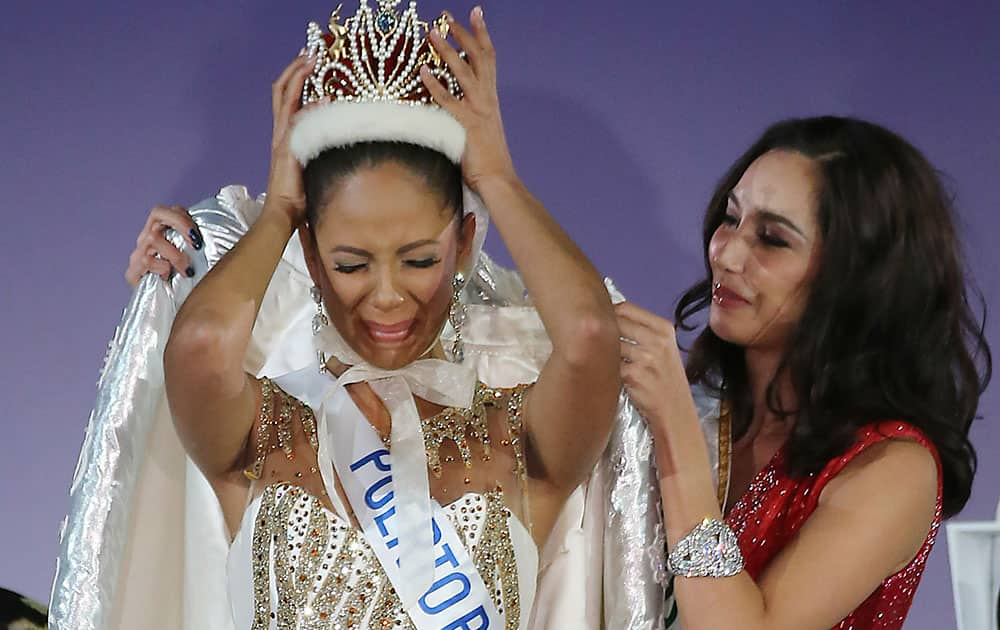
(319, 319)
(456, 316)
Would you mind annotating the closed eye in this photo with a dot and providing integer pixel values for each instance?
(349, 268)
(771, 240)
(423, 263)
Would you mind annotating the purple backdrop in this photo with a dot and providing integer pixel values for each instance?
(621, 117)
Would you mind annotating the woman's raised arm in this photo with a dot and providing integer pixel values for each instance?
(213, 401)
(570, 410)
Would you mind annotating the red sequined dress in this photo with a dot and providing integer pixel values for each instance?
(776, 505)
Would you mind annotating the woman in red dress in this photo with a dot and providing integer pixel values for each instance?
(848, 366)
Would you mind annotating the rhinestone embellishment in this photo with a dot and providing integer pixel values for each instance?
(325, 575)
(386, 22)
(375, 56)
(710, 550)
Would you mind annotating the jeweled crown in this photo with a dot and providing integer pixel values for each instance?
(375, 56)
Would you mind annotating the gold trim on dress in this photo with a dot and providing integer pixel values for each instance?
(457, 424)
(725, 453)
(256, 469)
(288, 407)
(515, 429)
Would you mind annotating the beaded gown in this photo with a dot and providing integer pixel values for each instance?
(298, 560)
(776, 505)
(145, 543)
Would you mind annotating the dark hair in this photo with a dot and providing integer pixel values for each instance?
(324, 172)
(888, 332)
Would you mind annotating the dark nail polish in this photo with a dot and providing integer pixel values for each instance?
(190, 272)
(196, 238)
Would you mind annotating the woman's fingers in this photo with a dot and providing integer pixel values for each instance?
(154, 253)
(292, 99)
(439, 93)
(285, 190)
(635, 332)
(478, 58)
(638, 314)
(649, 345)
(142, 262)
(160, 267)
(280, 85)
(458, 66)
(166, 251)
(478, 21)
(153, 241)
(633, 378)
(630, 312)
(137, 266)
(632, 352)
(174, 217)
(286, 96)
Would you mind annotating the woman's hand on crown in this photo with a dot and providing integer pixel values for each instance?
(285, 189)
(486, 153)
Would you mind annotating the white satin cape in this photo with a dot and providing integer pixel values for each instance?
(144, 543)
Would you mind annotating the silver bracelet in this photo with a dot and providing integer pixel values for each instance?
(709, 550)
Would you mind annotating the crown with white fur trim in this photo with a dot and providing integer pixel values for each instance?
(368, 68)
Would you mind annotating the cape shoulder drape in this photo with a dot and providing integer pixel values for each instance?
(144, 544)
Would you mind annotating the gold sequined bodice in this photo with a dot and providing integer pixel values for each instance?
(310, 569)
(298, 562)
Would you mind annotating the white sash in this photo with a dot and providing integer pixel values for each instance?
(440, 382)
(454, 596)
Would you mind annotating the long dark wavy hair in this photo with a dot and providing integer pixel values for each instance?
(888, 332)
